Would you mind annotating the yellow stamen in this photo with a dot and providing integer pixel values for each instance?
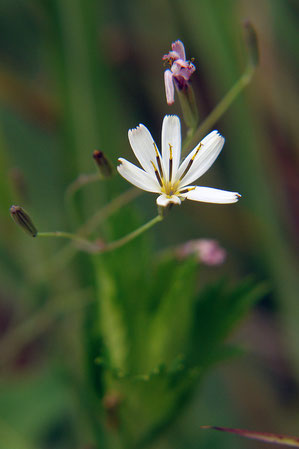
(188, 189)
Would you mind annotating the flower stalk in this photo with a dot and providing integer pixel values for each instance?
(81, 181)
(221, 108)
(189, 107)
(252, 63)
(99, 247)
(132, 235)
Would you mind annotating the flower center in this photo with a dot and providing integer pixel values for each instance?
(170, 188)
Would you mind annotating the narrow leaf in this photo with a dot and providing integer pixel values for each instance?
(272, 438)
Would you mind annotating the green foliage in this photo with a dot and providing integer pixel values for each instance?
(75, 75)
(218, 309)
(160, 332)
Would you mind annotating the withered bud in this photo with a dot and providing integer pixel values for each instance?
(103, 163)
(22, 219)
(111, 403)
(252, 43)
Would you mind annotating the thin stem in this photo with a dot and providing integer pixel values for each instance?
(84, 243)
(221, 107)
(63, 256)
(65, 235)
(39, 323)
(189, 108)
(81, 181)
(96, 248)
(107, 210)
(132, 235)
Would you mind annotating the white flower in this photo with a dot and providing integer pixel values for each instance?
(163, 173)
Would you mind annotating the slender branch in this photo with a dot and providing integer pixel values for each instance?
(108, 210)
(122, 241)
(64, 255)
(36, 325)
(101, 247)
(84, 244)
(64, 235)
(221, 108)
(81, 181)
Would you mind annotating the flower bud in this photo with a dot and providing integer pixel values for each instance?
(206, 251)
(22, 219)
(103, 163)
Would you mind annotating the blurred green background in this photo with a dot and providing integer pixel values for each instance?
(75, 76)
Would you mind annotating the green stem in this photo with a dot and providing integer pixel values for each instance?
(73, 188)
(189, 108)
(221, 108)
(63, 256)
(107, 210)
(64, 235)
(39, 323)
(85, 244)
(79, 182)
(103, 248)
(126, 239)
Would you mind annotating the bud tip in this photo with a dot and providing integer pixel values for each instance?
(103, 163)
(252, 42)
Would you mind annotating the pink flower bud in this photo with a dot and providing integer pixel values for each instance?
(207, 251)
(179, 72)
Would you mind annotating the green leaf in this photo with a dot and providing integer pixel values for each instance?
(265, 437)
(218, 310)
(168, 330)
(111, 319)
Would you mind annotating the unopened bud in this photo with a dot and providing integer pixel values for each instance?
(103, 163)
(22, 219)
(206, 251)
(252, 43)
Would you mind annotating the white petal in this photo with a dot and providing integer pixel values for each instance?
(169, 87)
(143, 146)
(210, 148)
(137, 177)
(171, 136)
(164, 200)
(209, 195)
